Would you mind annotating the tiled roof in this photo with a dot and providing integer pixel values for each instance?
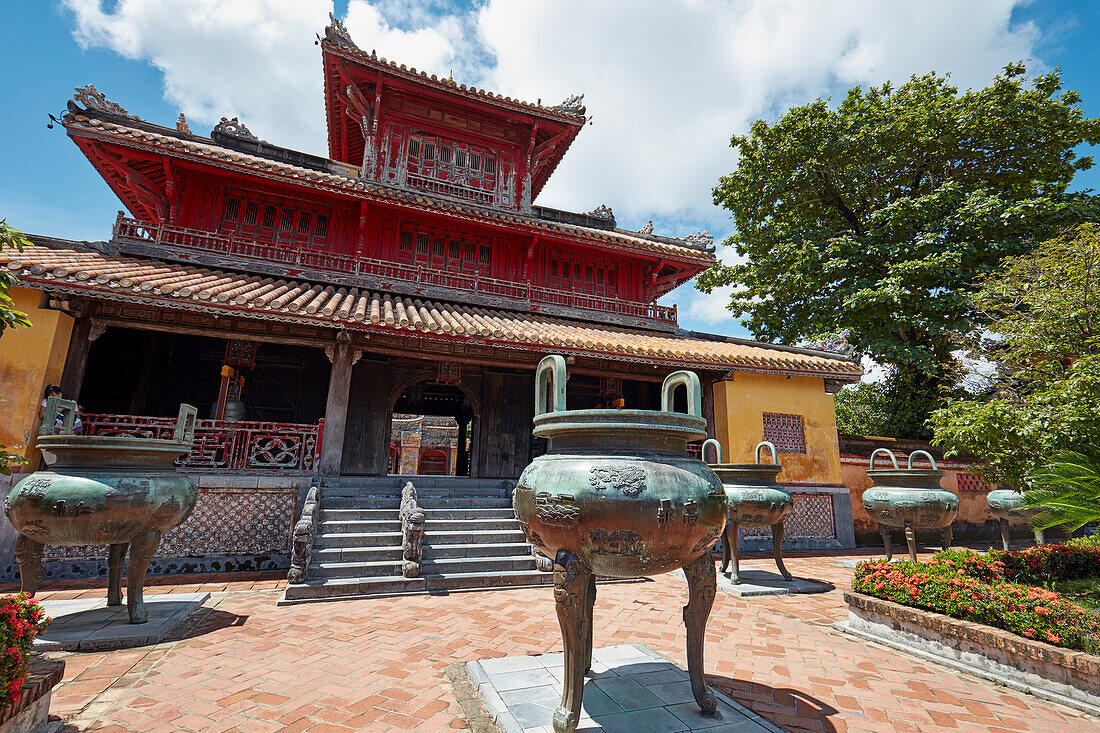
(73, 268)
(145, 135)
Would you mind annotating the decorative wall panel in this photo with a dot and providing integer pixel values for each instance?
(812, 518)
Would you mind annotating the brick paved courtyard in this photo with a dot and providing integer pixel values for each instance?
(379, 665)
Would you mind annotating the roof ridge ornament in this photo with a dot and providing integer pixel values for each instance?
(647, 229)
(94, 100)
(836, 343)
(182, 126)
(603, 211)
(573, 105)
(234, 127)
(704, 238)
(338, 34)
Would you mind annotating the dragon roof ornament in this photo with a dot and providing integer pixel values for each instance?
(836, 343)
(571, 106)
(647, 229)
(94, 100)
(704, 238)
(336, 33)
(603, 211)
(234, 127)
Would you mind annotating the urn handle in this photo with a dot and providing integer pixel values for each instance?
(924, 453)
(550, 376)
(185, 425)
(771, 446)
(717, 450)
(887, 451)
(690, 380)
(58, 406)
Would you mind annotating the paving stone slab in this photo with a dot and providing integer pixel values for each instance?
(638, 691)
(91, 625)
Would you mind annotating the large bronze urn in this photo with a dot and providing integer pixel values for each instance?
(755, 500)
(617, 495)
(119, 491)
(910, 498)
(1008, 507)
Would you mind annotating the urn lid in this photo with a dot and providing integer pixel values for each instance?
(115, 450)
(662, 431)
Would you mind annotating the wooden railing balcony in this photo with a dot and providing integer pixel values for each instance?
(233, 446)
(306, 262)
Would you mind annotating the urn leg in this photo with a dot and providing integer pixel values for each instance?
(702, 586)
(911, 540)
(725, 548)
(1040, 539)
(572, 583)
(777, 546)
(947, 537)
(735, 553)
(28, 554)
(1004, 534)
(591, 603)
(142, 549)
(885, 532)
(115, 555)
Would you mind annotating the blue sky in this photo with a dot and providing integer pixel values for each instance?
(667, 83)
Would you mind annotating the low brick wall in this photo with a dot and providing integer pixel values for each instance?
(1056, 673)
(32, 708)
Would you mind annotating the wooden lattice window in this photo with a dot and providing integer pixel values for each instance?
(593, 275)
(451, 168)
(785, 431)
(444, 249)
(253, 215)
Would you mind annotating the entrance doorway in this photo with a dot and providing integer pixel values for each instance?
(431, 425)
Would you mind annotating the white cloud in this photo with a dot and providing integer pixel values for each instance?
(666, 82)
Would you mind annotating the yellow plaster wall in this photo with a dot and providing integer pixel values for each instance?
(739, 407)
(30, 359)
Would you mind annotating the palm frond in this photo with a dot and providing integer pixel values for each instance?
(1067, 490)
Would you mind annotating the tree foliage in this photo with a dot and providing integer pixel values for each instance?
(880, 215)
(1043, 343)
(892, 408)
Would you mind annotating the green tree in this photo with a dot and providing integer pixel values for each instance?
(1043, 344)
(9, 317)
(881, 215)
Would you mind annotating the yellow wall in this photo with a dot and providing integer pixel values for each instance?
(30, 359)
(739, 407)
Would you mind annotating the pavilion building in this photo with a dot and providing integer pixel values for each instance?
(302, 301)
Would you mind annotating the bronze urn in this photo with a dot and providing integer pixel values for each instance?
(755, 500)
(119, 491)
(1008, 507)
(617, 495)
(910, 498)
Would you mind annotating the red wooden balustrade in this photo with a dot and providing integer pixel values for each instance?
(185, 242)
(225, 445)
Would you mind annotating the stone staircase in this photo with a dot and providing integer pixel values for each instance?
(471, 540)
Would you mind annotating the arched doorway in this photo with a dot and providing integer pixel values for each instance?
(430, 430)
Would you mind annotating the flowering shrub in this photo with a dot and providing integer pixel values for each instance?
(21, 620)
(946, 585)
(1034, 566)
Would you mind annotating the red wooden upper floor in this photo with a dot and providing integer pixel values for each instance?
(234, 201)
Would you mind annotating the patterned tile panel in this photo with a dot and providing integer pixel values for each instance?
(224, 522)
(812, 518)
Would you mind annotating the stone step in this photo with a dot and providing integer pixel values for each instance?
(354, 515)
(469, 493)
(481, 513)
(367, 526)
(358, 554)
(319, 589)
(431, 525)
(474, 549)
(367, 515)
(369, 569)
(358, 539)
(448, 503)
(475, 537)
(445, 565)
(359, 502)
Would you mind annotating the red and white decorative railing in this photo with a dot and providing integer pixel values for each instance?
(184, 242)
(225, 445)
